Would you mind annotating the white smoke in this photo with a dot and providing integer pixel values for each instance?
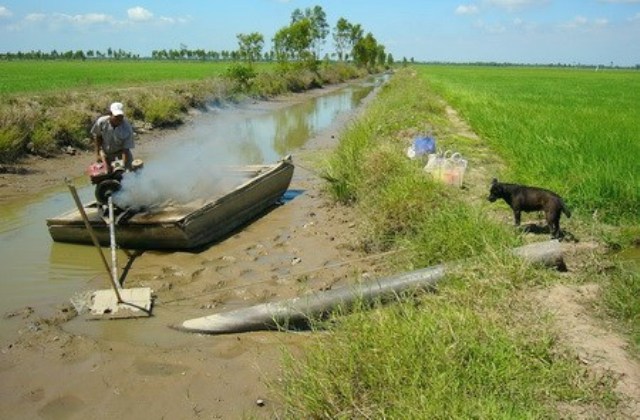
(194, 166)
(159, 184)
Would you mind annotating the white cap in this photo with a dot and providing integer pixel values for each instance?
(117, 108)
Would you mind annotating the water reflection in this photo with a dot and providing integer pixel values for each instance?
(255, 135)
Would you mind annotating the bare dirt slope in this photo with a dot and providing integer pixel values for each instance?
(596, 345)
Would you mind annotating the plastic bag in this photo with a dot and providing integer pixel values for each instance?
(421, 146)
(447, 168)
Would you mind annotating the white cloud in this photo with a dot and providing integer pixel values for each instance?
(512, 5)
(139, 14)
(35, 17)
(57, 20)
(5, 13)
(576, 22)
(495, 28)
(636, 17)
(171, 21)
(85, 19)
(581, 22)
(601, 22)
(464, 9)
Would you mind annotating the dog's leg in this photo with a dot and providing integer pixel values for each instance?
(516, 217)
(553, 221)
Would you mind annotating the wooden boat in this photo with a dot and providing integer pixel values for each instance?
(184, 226)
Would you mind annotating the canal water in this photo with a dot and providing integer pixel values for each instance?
(35, 271)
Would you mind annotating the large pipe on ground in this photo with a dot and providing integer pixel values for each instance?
(299, 311)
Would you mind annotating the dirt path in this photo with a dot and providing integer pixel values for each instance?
(603, 351)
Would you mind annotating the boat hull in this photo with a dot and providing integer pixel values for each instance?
(187, 226)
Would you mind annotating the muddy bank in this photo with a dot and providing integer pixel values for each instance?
(141, 368)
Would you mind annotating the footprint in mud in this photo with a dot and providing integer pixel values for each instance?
(34, 395)
(281, 238)
(149, 368)
(230, 348)
(61, 408)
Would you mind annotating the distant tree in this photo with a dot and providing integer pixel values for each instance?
(354, 37)
(294, 41)
(342, 38)
(318, 25)
(365, 52)
(390, 59)
(250, 46)
(381, 58)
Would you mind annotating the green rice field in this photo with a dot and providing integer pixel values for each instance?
(572, 130)
(31, 76)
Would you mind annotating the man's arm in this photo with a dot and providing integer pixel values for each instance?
(126, 158)
(98, 146)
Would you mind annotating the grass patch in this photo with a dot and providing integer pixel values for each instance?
(399, 206)
(474, 350)
(621, 298)
(162, 111)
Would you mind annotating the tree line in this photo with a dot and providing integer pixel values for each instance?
(300, 41)
(70, 55)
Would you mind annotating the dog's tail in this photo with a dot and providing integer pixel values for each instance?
(564, 208)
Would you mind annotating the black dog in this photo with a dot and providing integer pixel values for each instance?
(522, 198)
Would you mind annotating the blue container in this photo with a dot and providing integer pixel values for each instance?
(424, 145)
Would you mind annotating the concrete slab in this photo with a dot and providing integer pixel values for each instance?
(137, 302)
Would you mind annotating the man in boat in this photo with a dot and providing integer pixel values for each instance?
(113, 137)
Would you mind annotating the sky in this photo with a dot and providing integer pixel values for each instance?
(589, 32)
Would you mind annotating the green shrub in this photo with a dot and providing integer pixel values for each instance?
(12, 144)
(267, 85)
(340, 72)
(43, 142)
(162, 111)
(242, 75)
